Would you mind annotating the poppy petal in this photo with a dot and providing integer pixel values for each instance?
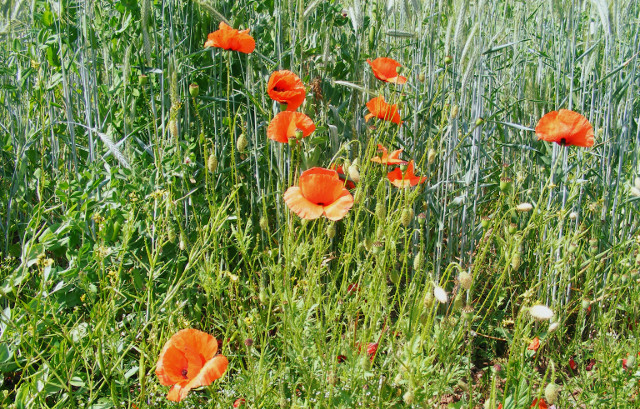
(338, 209)
(301, 206)
(212, 370)
(171, 364)
(229, 38)
(565, 127)
(286, 87)
(385, 69)
(283, 126)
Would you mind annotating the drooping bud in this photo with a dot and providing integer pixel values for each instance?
(465, 280)
(524, 207)
(406, 216)
(212, 163)
(354, 173)
(458, 301)
(418, 261)
(331, 230)
(421, 77)
(394, 276)
(242, 143)
(194, 90)
(440, 294)
(431, 156)
(409, 397)
(505, 184)
(541, 312)
(381, 210)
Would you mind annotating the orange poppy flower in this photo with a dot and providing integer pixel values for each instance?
(384, 69)
(565, 127)
(320, 192)
(284, 125)
(286, 88)
(343, 176)
(379, 108)
(408, 179)
(540, 404)
(389, 159)
(188, 360)
(229, 38)
(534, 345)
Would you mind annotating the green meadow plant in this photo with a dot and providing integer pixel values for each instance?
(361, 203)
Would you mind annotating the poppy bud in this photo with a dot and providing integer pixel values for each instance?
(171, 234)
(372, 37)
(448, 59)
(421, 77)
(440, 294)
(454, 111)
(631, 361)
(573, 247)
(516, 261)
(409, 397)
(173, 128)
(212, 163)
(505, 184)
(551, 393)
(428, 300)
(524, 207)
(354, 174)
(331, 230)
(586, 304)
(143, 79)
(431, 156)
(406, 216)
(418, 261)
(183, 239)
(553, 327)
(381, 211)
(457, 302)
(573, 215)
(394, 276)
(194, 90)
(638, 259)
(465, 280)
(264, 223)
(242, 143)
(248, 342)
(299, 134)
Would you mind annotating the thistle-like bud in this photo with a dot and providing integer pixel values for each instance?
(212, 163)
(242, 143)
(465, 280)
(551, 392)
(406, 216)
(194, 90)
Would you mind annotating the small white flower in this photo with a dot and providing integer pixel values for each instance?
(541, 312)
(440, 294)
(524, 207)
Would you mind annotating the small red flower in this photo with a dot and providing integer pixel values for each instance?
(353, 288)
(590, 365)
(540, 404)
(284, 125)
(341, 358)
(379, 108)
(372, 348)
(534, 345)
(398, 179)
(239, 402)
(572, 364)
(385, 69)
(392, 158)
(229, 38)
(343, 176)
(565, 127)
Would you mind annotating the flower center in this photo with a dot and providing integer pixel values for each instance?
(184, 373)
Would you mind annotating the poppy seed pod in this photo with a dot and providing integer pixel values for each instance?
(467, 312)
(484, 221)
(143, 79)
(573, 247)
(448, 59)
(212, 163)
(505, 184)
(194, 90)
(242, 143)
(513, 228)
(406, 216)
(551, 392)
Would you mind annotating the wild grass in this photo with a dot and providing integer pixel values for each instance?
(129, 211)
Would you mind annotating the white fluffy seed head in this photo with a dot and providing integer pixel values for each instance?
(541, 312)
(440, 294)
(524, 207)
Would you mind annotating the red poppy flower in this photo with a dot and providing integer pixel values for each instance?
(229, 38)
(540, 404)
(284, 125)
(238, 402)
(572, 364)
(408, 179)
(565, 127)
(372, 348)
(188, 360)
(353, 288)
(500, 406)
(343, 176)
(389, 159)
(384, 69)
(320, 192)
(379, 108)
(341, 358)
(534, 345)
(286, 88)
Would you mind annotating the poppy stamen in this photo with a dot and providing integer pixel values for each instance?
(184, 373)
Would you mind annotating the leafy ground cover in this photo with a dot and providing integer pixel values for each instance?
(144, 192)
